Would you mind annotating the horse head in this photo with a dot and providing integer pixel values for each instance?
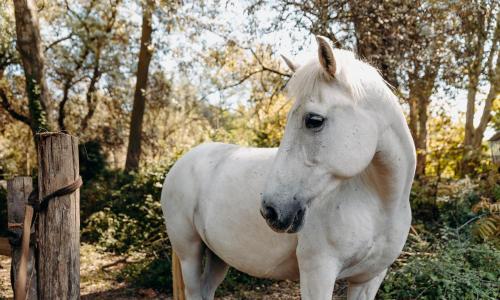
(342, 105)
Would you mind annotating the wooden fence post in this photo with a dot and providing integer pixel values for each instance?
(58, 229)
(18, 191)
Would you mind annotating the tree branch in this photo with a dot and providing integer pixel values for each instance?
(12, 112)
(254, 54)
(493, 95)
(243, 79)
(265, 68)
(67, 86)
(90, 95)
(58, 41)
(62, 104)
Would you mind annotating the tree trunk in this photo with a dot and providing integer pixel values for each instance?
(422, 135)
(469, 124)
(419, 99)
(474, 136)
(413, 105)
(30, 49)
(134, 144)
(493, 95)
(91, 93)
(477, 38)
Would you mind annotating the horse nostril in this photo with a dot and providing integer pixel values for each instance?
(270, 213)
(300, 214)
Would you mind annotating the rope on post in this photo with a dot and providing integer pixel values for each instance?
(14, 225)
(44, 202)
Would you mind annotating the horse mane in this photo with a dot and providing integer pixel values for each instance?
(356, 76)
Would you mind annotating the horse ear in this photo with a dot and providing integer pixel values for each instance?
(290, 64)
(326, 58)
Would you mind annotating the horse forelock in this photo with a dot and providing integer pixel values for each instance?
(359, 78)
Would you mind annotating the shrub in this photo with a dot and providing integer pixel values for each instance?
(458, 204)
(451, 258)
(452, 269)
(124, 211)
(149, 273)
(92, 160)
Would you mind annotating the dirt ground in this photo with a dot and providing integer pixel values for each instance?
(98, 281)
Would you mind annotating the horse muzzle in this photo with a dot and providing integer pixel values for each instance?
(287, 218)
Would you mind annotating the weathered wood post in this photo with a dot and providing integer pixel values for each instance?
(24, 284)
(58, 229)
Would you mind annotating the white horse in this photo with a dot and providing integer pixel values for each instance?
(332, 202)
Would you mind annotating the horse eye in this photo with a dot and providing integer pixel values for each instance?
(314, 121)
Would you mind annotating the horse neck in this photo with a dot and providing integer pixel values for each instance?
(393, 165)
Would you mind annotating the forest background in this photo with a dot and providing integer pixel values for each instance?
(140, 82)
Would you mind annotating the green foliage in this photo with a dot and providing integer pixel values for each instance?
(235, 280)
(444, 151)
(451, 203)
(453, 269)
(92, 160)
(8, 53)
(446, 203)
(252, 126)
(449, 258)
(149, 273)
(38, 114)
(122, 212)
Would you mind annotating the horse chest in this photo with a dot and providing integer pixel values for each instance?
(239, 235)
(356, 232)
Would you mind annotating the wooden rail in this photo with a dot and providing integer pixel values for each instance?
(4, 246)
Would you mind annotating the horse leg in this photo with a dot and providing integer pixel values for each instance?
(366, 290)
(213, 274)
(190, 250)
(317, 277)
